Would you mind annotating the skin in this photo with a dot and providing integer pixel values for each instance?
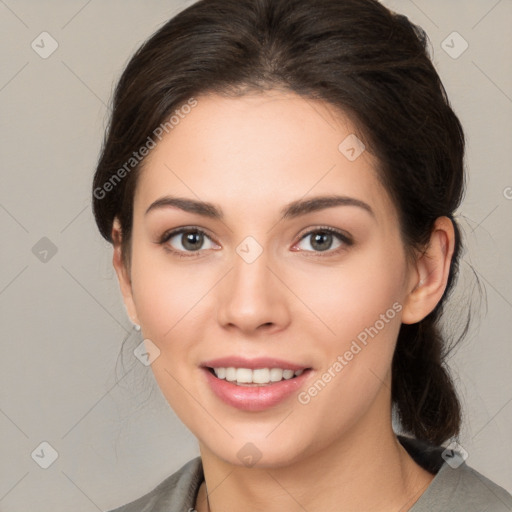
(251, 156)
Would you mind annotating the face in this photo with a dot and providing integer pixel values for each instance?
(263, 284)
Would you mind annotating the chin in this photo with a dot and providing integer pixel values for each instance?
(261, 450)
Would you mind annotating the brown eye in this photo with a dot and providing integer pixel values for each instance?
(322, 240)
(191, 240)
(185, 240)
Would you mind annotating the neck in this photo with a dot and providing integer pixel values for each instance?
(366, 469)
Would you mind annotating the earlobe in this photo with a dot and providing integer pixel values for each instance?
(432, 272)
(123, 274)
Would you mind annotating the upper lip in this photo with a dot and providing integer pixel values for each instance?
(253, 364)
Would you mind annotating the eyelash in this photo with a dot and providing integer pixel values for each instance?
(347, 241)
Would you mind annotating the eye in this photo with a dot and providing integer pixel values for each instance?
(188, 240)
(322, 240)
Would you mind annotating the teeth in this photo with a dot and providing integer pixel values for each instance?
(230, 374)
(276, 374)
(244, 375)
(259, 376)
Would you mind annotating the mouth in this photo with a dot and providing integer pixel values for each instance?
(254, 384)
(255, 389)
(255, 377)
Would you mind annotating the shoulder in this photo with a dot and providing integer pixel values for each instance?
(456, 486)
(176, 492)
(463, 489)
(482, 492)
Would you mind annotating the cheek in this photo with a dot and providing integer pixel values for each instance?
(347, 299)
(167, 292)
(174, 301)
(339, 299)
(168, 300)
(362, 310)
(359, 304)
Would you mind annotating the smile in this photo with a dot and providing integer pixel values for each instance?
(246, 393)
(254, 377)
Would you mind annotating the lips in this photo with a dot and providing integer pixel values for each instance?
(253, 364)
(254, 397)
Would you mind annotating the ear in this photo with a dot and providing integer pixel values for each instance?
(123, 274)
(431, 271)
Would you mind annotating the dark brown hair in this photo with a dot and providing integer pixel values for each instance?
(359, 57)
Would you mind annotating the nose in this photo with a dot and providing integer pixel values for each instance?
(253, 297)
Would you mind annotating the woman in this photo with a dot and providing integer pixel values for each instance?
(245, 135)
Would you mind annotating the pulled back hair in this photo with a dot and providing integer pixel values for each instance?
(359, 57)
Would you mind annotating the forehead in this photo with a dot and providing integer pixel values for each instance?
(258, 152)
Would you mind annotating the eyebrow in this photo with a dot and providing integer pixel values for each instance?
(290, 211)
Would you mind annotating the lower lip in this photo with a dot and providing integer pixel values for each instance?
(254, 398)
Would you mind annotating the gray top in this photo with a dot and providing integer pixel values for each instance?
(453, 489)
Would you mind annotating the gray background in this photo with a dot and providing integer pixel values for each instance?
(61, 314)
